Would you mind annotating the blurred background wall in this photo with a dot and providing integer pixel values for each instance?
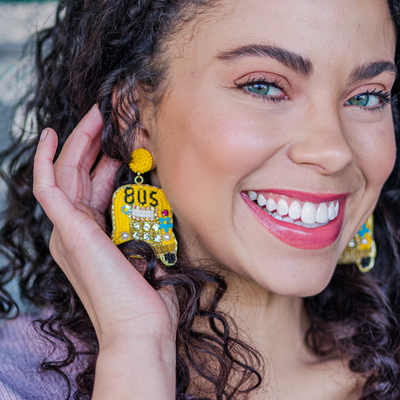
(18, 21)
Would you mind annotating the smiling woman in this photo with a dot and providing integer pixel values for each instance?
(268, 125)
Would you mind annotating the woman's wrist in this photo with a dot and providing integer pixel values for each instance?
(142, 368)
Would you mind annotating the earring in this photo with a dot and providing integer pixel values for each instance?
(142, 212)
(361, 250)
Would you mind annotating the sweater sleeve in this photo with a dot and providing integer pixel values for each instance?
(21, 352)
(8, 393)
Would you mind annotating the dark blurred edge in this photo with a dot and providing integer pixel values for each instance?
(11, 52)
(24, 1)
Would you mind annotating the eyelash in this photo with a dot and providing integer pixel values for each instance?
(384, 97)
(261, 81)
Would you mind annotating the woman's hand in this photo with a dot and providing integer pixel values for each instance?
(135, 324)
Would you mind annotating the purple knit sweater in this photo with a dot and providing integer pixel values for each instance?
(21, 352)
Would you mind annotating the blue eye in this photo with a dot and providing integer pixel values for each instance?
(264, 89)
(375, 100)
(365, 100)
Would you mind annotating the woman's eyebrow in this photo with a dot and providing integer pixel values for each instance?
(373, 69)
(295, 62)
(302, 65)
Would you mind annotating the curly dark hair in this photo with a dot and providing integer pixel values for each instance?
(96, 52)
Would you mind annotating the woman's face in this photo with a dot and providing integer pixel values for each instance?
(284, 101)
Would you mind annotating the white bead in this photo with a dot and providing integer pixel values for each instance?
(167, 237)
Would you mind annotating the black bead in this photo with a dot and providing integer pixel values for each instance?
(170, 258)
(365, 261)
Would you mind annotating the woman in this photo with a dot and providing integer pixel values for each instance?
(237, 102)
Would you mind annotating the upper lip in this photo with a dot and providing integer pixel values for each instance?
(303, 196)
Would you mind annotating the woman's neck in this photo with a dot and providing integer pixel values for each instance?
(275, 324)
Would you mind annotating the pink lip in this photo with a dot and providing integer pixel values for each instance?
(298, 236)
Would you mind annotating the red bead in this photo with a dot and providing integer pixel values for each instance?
(165, 213)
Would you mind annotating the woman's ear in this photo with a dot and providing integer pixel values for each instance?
(134, 110)
(146, 129)
(134, 114)
(147, 135)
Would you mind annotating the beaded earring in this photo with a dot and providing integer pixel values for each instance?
(361, 250)
(142, 212)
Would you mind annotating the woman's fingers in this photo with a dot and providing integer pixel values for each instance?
(117, 298)
(78, 145)
(71, 171)
(91, 154)
(103, 183)
(78, 155)
(45, 186)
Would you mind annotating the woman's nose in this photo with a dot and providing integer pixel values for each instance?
(322, 143)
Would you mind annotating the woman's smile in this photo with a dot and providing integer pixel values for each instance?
(276, 108)
(302, 220)
(268, 126)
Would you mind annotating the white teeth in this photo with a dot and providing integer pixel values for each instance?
(308, 213)
(337, 209)
(295, 210)
(331, 211)
(283, 207)
(277, 216)
(252, 195)
(297, 222)
(322, 213)
(261, 200)
(271, 205)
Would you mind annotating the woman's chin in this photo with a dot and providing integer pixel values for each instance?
(294, 280)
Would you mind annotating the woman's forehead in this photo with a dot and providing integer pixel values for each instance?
(317, 29)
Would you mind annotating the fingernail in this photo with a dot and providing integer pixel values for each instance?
(44, 134)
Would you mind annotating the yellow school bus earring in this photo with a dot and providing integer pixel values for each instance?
(362, 248)
(142, 212)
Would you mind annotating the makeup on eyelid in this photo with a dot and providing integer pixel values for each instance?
(257, 86)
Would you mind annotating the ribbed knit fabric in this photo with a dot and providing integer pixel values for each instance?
(21, 352)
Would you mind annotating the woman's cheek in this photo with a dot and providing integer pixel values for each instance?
(377, 153)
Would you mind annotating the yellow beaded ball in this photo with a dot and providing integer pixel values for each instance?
(141, 162)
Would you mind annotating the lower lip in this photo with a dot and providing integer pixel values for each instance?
(298, 236)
